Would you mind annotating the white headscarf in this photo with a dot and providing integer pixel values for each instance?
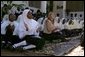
(31, 24)
(75, 25)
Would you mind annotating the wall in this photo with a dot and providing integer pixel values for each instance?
(75, 5)
(57, 7)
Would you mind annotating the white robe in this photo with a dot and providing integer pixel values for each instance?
(6, 23)
(61, 26)
(5, 18)
(31, 24)
(76, 25)
(56, 24)
(56, 19)
(19, 18)
(40, 21)
(81, 24)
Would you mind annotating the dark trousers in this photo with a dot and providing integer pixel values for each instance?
(12, 38)
(39, 42)
(66, 32)
(70, 33)
(52, 36)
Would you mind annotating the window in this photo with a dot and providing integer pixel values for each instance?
(36, 4)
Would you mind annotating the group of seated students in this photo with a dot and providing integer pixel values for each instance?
(27, 33)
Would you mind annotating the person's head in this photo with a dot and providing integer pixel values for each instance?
(80, 15)
(71, 22)
(75, 14)
(18, 8)
(29, 15)
(71, 15)
(67, 20)
(22, 9)
(63, 22)
(51, 16)
(26, 8)
(12, 17)
(5, 5)
(43, 14)
(38, 12)
(58, 15)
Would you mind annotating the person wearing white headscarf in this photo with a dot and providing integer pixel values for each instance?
(73, 24)
(29, 23)
(28, 31)
(62, 26)
(73, 27)
(57, 22)
(9, 30)
(6, 16)
(62, 23)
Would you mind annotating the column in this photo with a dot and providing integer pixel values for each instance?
(64, 8)
(55, 7)
(43, 6)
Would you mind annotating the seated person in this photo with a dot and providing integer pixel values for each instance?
(9, 30)
(50, 32)
(5, 17)
(62, 25)
(73, 27)
(29, 32)
(38, 15)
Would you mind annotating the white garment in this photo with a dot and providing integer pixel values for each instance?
(61, 26)
(43, 25)
(56, 24)
(81, 24)
(56, 19)
(31, 24)
(20, 44)
(6, 23)
(75, 25)
(76, 18)
(40, 20)
(19, 18)
(5, 18)
(29, 47)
